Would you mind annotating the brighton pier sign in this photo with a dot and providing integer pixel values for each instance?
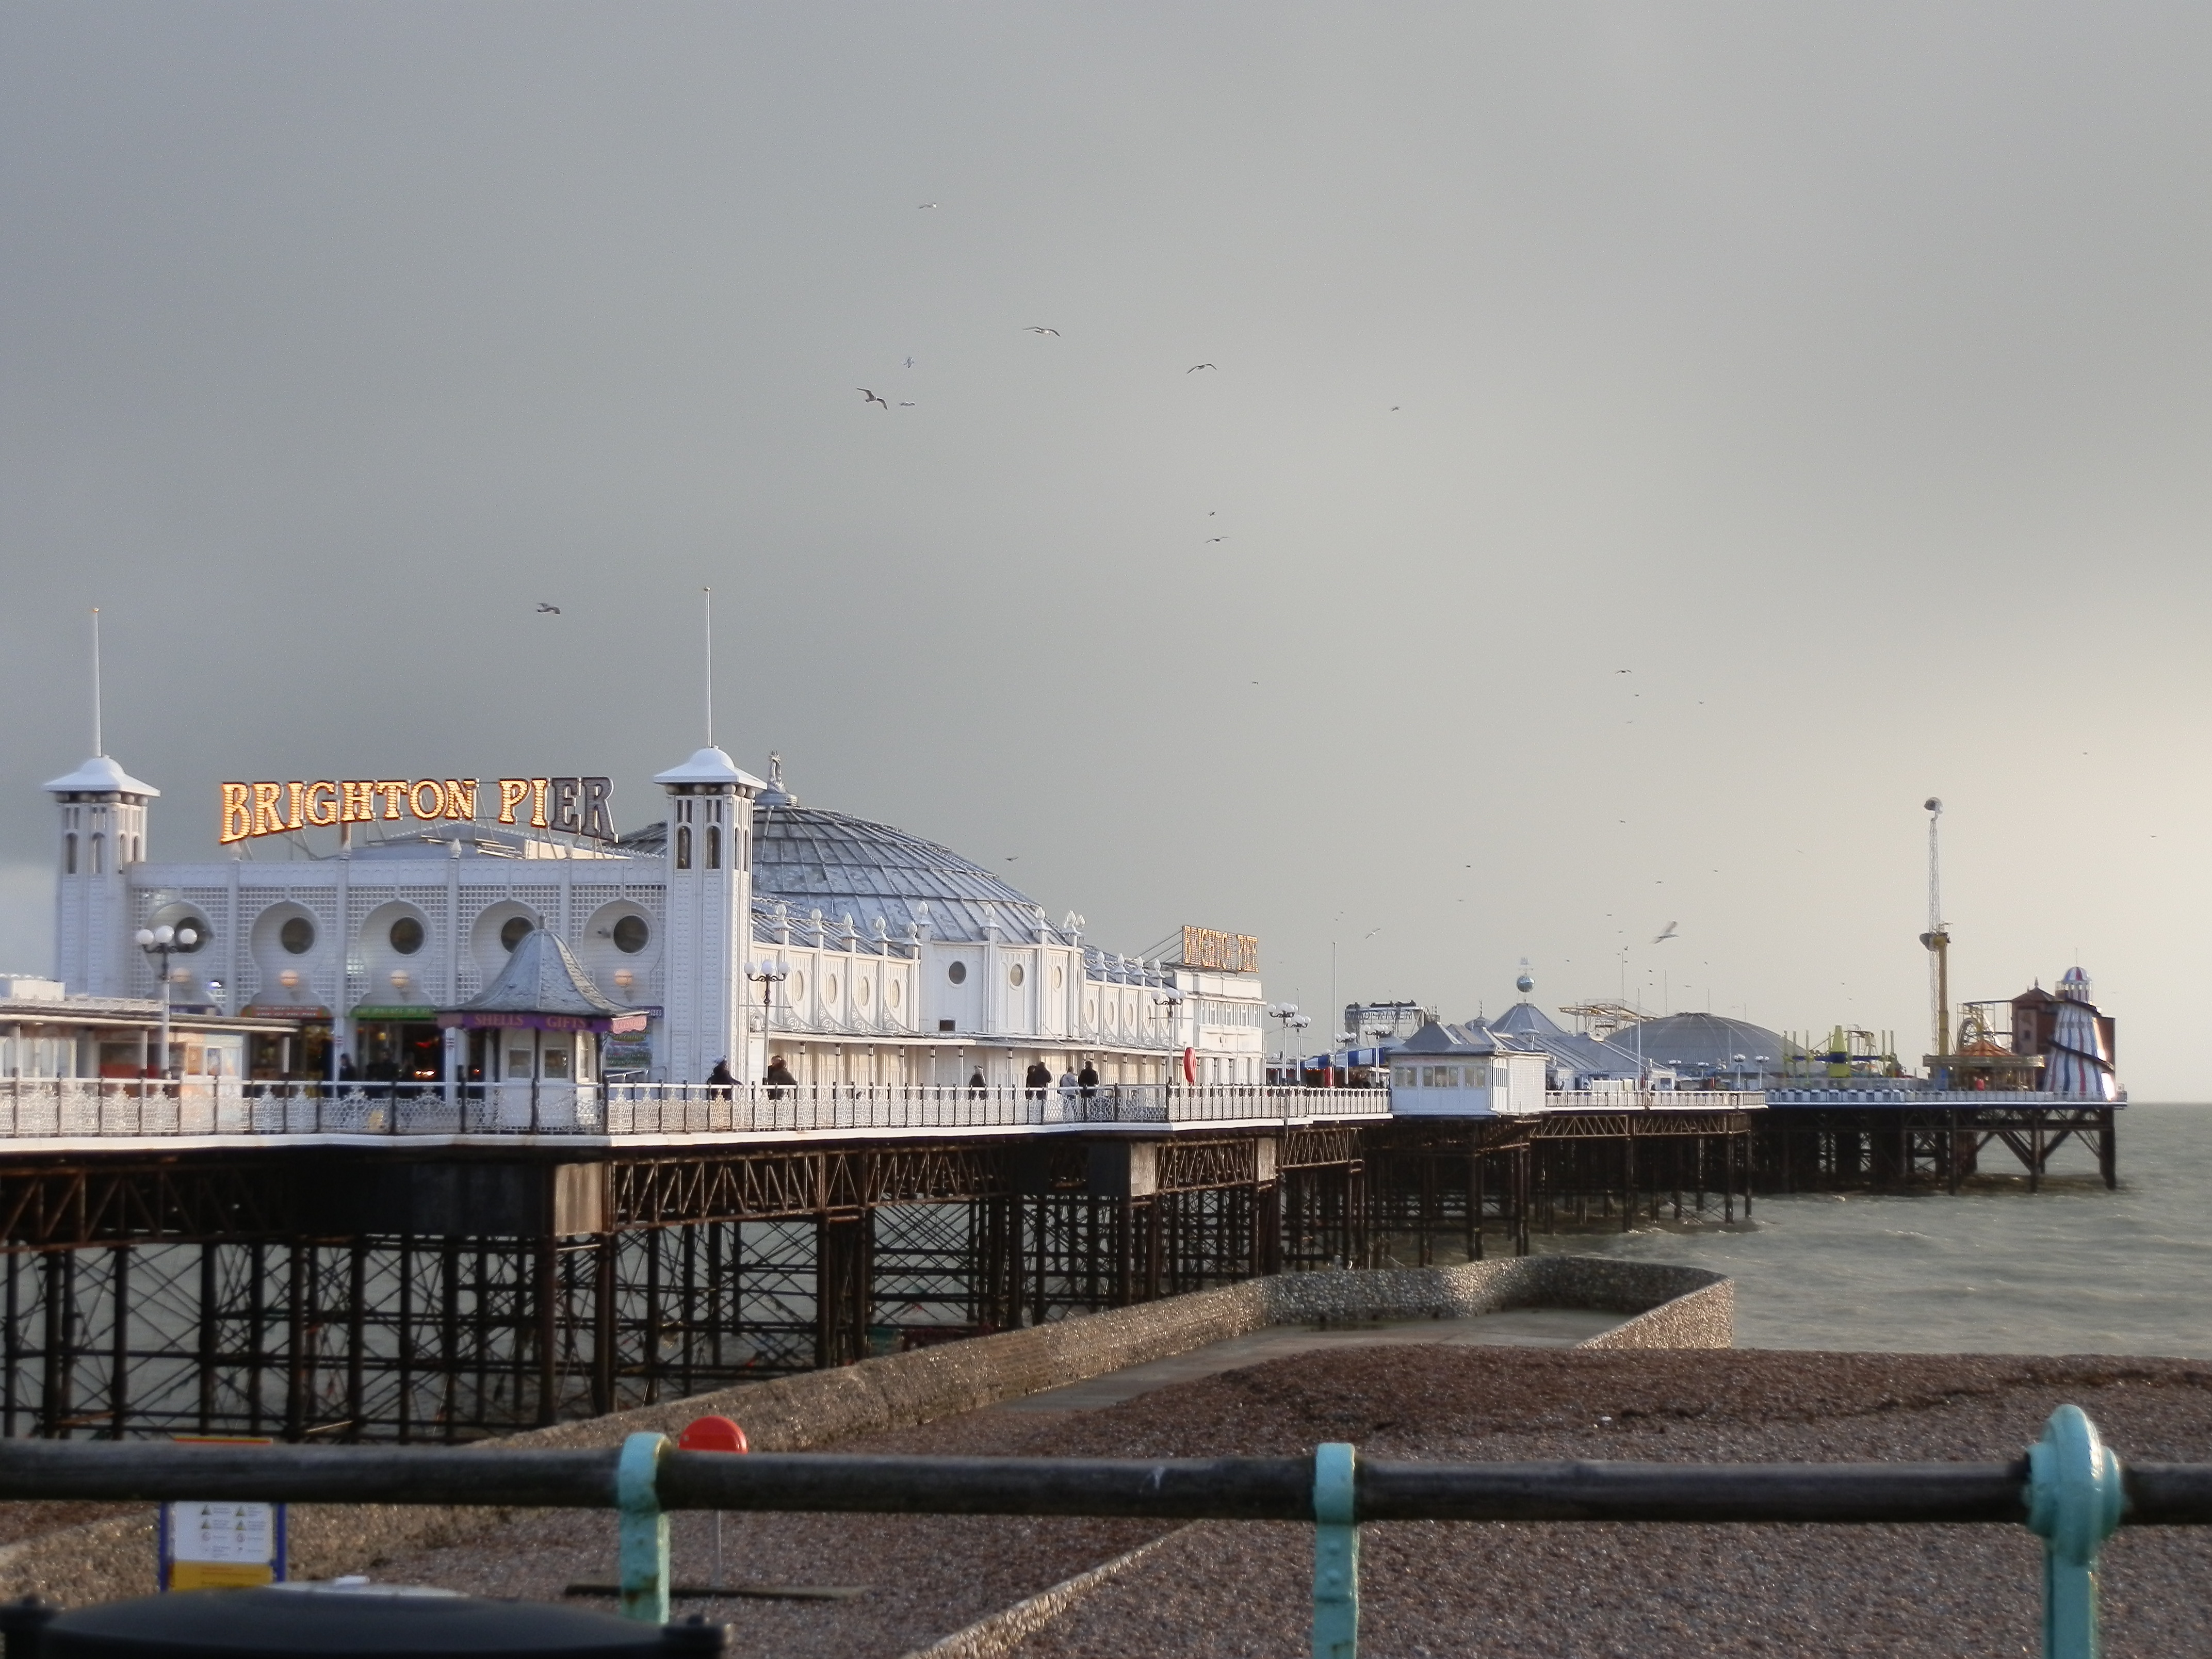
(573, 806)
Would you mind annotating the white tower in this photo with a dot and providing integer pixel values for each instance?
(103, 833)
(710, 902)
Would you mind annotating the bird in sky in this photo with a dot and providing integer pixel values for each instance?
(1394, 408)
(1195, 368)
(1664, 936)
(906, 405)
(909, 362)
(1211, 539)
(871, 396)
(544, 609)
(919, 205)
(1624, 670)
(1034, 329)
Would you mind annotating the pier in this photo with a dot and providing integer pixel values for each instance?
(399, 1262)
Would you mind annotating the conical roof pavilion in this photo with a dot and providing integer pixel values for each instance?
(542, 985)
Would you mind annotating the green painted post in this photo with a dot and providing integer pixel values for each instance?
(642, 1529)
(2073, 1503)
(1336, 1554)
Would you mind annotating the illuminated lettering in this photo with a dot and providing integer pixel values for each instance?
(599, 821)
(566, 791)
(572, 807)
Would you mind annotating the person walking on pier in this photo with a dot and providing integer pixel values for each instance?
(1087, 1081)
(779, 1077)
(1037, 1079)
(975, 1083)
(720, 1077)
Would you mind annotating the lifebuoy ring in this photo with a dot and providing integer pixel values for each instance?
(1189, 1066)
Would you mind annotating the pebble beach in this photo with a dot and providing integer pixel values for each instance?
(1549, 1589)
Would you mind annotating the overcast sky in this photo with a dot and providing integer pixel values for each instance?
(1840, 372)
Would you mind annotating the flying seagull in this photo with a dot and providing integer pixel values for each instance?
(906, 405)
(544, 609)
(1195, 368)
(925, 205)
(1664, 936)
(1034, 329)
(870, 396)
(1217, 538)
(909, 362)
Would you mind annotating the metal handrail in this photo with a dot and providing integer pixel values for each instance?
(2069, 1489)
(90, 1107)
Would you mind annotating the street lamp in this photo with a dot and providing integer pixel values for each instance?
(1167, 1000)
(767, 973)
(1293, 1023)
(161, 943)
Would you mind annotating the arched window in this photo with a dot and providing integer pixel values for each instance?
(683, 846)
(100, 855)
(713, 846)
(68, 854)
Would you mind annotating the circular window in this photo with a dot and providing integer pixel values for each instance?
(1055, 976)
(631, 934)
(798, 986)
(1014, 974)
(407, 936)
(891, 994)
(860, 992)
(829, 988)
(516, 930)
(297, 935)
(1090, 1012)
(958, 973)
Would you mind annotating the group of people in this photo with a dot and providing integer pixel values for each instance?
(1037, 1079)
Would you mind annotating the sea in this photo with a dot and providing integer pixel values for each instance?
(2073, 1268)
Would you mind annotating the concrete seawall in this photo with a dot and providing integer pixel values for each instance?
(1675, 1307)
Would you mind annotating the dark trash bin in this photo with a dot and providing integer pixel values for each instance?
(344, 1620)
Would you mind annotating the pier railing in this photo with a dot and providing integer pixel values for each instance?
(45, 1109)
(2069, 1490)
(1653, 1100)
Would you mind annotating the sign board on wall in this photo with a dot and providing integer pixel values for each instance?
(219, 1546)
(573, 806)
(1232, 953)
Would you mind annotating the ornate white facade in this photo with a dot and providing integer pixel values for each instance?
(900, 961)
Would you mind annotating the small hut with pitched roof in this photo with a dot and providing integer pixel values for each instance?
(541, 1020)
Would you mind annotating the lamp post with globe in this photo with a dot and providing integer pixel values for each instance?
(161, 943)
(767, 974)
(1293, 1023)
(1169, 1000)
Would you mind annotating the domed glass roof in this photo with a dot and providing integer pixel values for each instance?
(1706, 1044)
(810, 859)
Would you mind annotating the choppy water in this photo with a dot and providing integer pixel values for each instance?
(2071, 1269)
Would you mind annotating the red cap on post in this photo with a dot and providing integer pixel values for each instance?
(715, 1434)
